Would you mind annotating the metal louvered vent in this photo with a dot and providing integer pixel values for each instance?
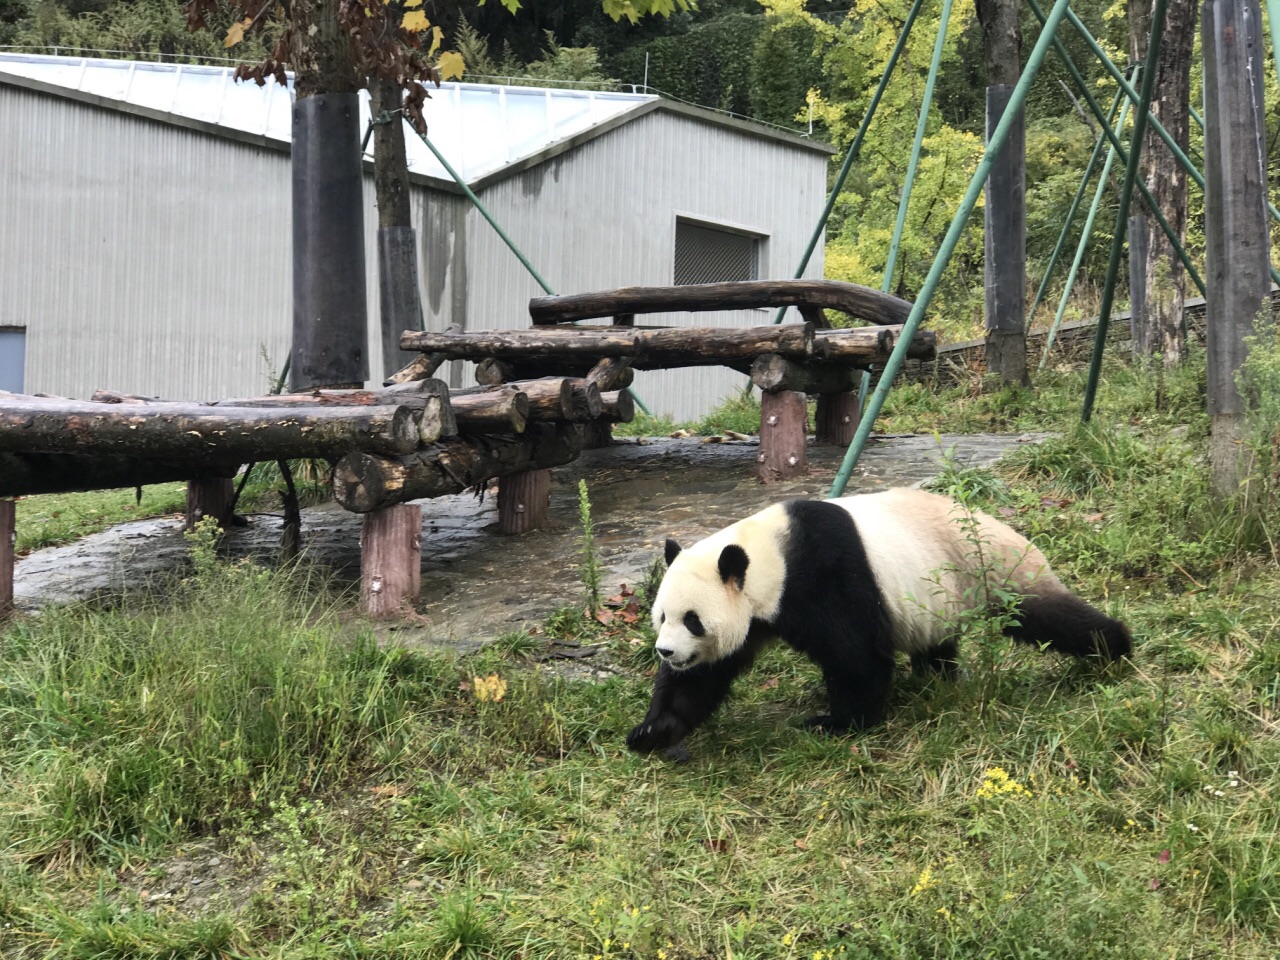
(707, 255)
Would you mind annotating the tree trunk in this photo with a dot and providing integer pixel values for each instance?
(1237, 235)
(330, 316)
(1005, 210)
(1157, 323)
(399, 301)
(391, 560)
(835, 418)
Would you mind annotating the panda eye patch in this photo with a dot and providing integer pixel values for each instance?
(693, 623)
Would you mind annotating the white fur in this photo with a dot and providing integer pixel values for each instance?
(923, 549)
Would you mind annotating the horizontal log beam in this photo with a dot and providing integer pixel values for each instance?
(665, 348)
(27, 474)
(189, 431)
(857, 301)
(363, 482)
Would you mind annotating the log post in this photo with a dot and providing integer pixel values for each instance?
(8, 542)
(524, 502)
(209, 497)
(783, 425)
(1235, 206)
(835, 420)
(391, 560)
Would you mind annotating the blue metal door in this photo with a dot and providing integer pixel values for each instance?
(13, 352)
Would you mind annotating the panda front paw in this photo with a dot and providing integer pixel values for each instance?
(661, 734)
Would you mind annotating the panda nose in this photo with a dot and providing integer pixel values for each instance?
(665, 652)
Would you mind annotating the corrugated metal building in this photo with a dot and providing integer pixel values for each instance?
(145, 237)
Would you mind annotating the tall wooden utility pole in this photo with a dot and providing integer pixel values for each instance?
(1005, 210)
(399, 302)
(1157, 279)
(330, 317)
(1237, 251)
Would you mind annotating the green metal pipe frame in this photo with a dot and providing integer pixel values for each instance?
(922, 122)
(943, 257)
(1183, 160)
(1122, 210)
(1083, 86)
(1073, 210)
(1085, 236)
(855, 148)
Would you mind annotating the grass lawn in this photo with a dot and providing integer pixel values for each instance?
(237, 770)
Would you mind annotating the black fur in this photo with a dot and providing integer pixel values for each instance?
(1065, 623)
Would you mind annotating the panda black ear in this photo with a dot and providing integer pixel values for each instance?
(733, 565)
(673, 550)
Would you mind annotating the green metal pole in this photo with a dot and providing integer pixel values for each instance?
(457, 178)
(1085, 237)
(958, 221)
(1122, 210)
(855, 148)
(1154, 207)
(922, 121)
(1073, 209)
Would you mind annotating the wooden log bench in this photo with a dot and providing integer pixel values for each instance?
(788, 362)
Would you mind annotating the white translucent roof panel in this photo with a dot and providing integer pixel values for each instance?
(479, 128)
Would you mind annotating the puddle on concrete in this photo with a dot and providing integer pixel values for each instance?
(477, 584)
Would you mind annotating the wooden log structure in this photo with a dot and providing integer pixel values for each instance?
(208, 497)
(524, 501)
(835, 418)
(811, 295)
(783, 422)
(363, 481)
(186, 431)
(420, 368)
(8, 542)
(659, 349)
(390, 560)
(429, 399)
(771, 373)
(500, 410)
(618, 406)
(612, 373)
(27, 474)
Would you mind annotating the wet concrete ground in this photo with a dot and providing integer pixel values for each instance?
(477, 584)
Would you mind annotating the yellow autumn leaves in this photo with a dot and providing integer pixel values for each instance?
(414, 20)
(490, 689)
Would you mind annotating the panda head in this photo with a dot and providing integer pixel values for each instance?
(702, 612)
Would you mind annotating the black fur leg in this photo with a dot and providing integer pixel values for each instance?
(684, 699)
(1065, 623)
(858, 681)
(943, 659)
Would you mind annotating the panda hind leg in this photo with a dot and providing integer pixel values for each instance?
(943, 659)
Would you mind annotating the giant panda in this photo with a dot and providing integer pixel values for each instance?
(848, 583)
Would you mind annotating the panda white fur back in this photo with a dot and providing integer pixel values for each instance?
(847, 582)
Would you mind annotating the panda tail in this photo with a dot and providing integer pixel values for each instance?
(1063, 622)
